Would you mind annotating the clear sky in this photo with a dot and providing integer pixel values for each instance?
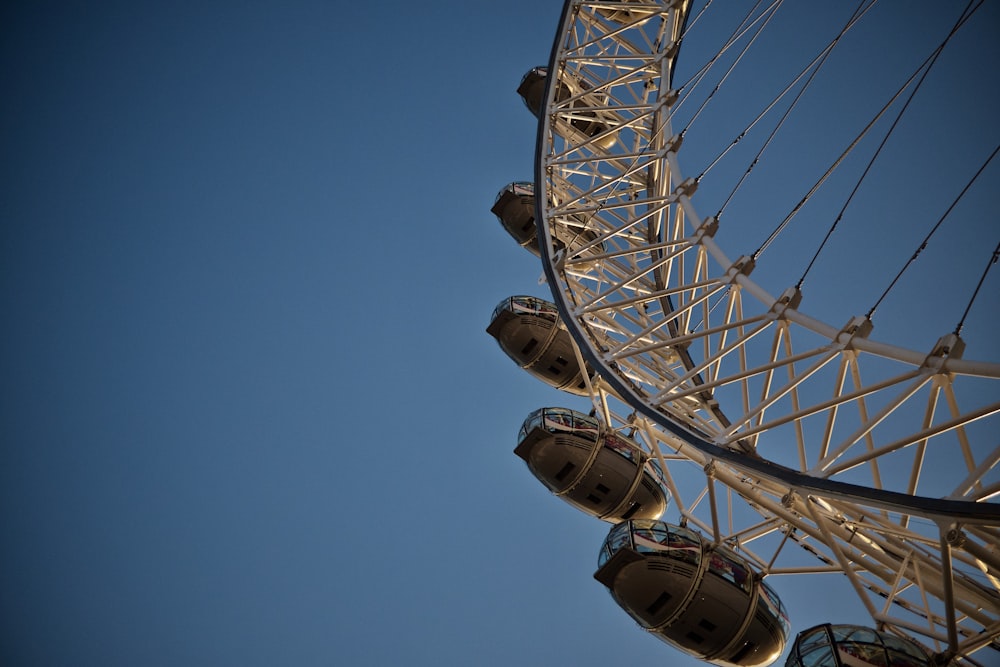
(249, 414)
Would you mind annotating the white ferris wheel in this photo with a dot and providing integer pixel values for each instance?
(769, 260)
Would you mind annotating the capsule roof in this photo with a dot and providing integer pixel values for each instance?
(518, 188)
(527, 305)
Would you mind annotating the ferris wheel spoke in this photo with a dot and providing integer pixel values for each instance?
(919, 437)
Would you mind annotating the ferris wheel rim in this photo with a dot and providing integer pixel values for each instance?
(939, 509)
(921, 564)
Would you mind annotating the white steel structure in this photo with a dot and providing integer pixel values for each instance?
(822, 446)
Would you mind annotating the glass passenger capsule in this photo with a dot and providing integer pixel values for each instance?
(591, 467)
(703, 599)
(587, 123)
(854, 646)
(515, 208)
(530, 332)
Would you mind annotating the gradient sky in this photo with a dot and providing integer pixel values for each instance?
(248, 410)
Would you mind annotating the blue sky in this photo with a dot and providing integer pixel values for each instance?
(249, 411)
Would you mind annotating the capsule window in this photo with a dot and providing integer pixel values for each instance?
(684, 545)
(894, 643)
(658, 603)
(620, 447)
(529, 346)
(631, 511)
(774, 609)
(602, 488)
(729, 568)
(651, 538)
(592, 498)
(565, 470)
(695, 637)
(619, 538)
(870, 653)
(707, 624)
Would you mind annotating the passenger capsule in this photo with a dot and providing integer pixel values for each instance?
(532, 91)
(854, 646)
(700, 598)
(515, 208)
(590, 466)
(529, 330)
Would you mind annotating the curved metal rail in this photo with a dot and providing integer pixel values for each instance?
(825, 431)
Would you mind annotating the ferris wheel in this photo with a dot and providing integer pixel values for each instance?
(731, 270)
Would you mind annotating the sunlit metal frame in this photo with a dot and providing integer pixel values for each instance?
(705, 364)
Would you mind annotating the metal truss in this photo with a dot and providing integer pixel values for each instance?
(816, 439)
